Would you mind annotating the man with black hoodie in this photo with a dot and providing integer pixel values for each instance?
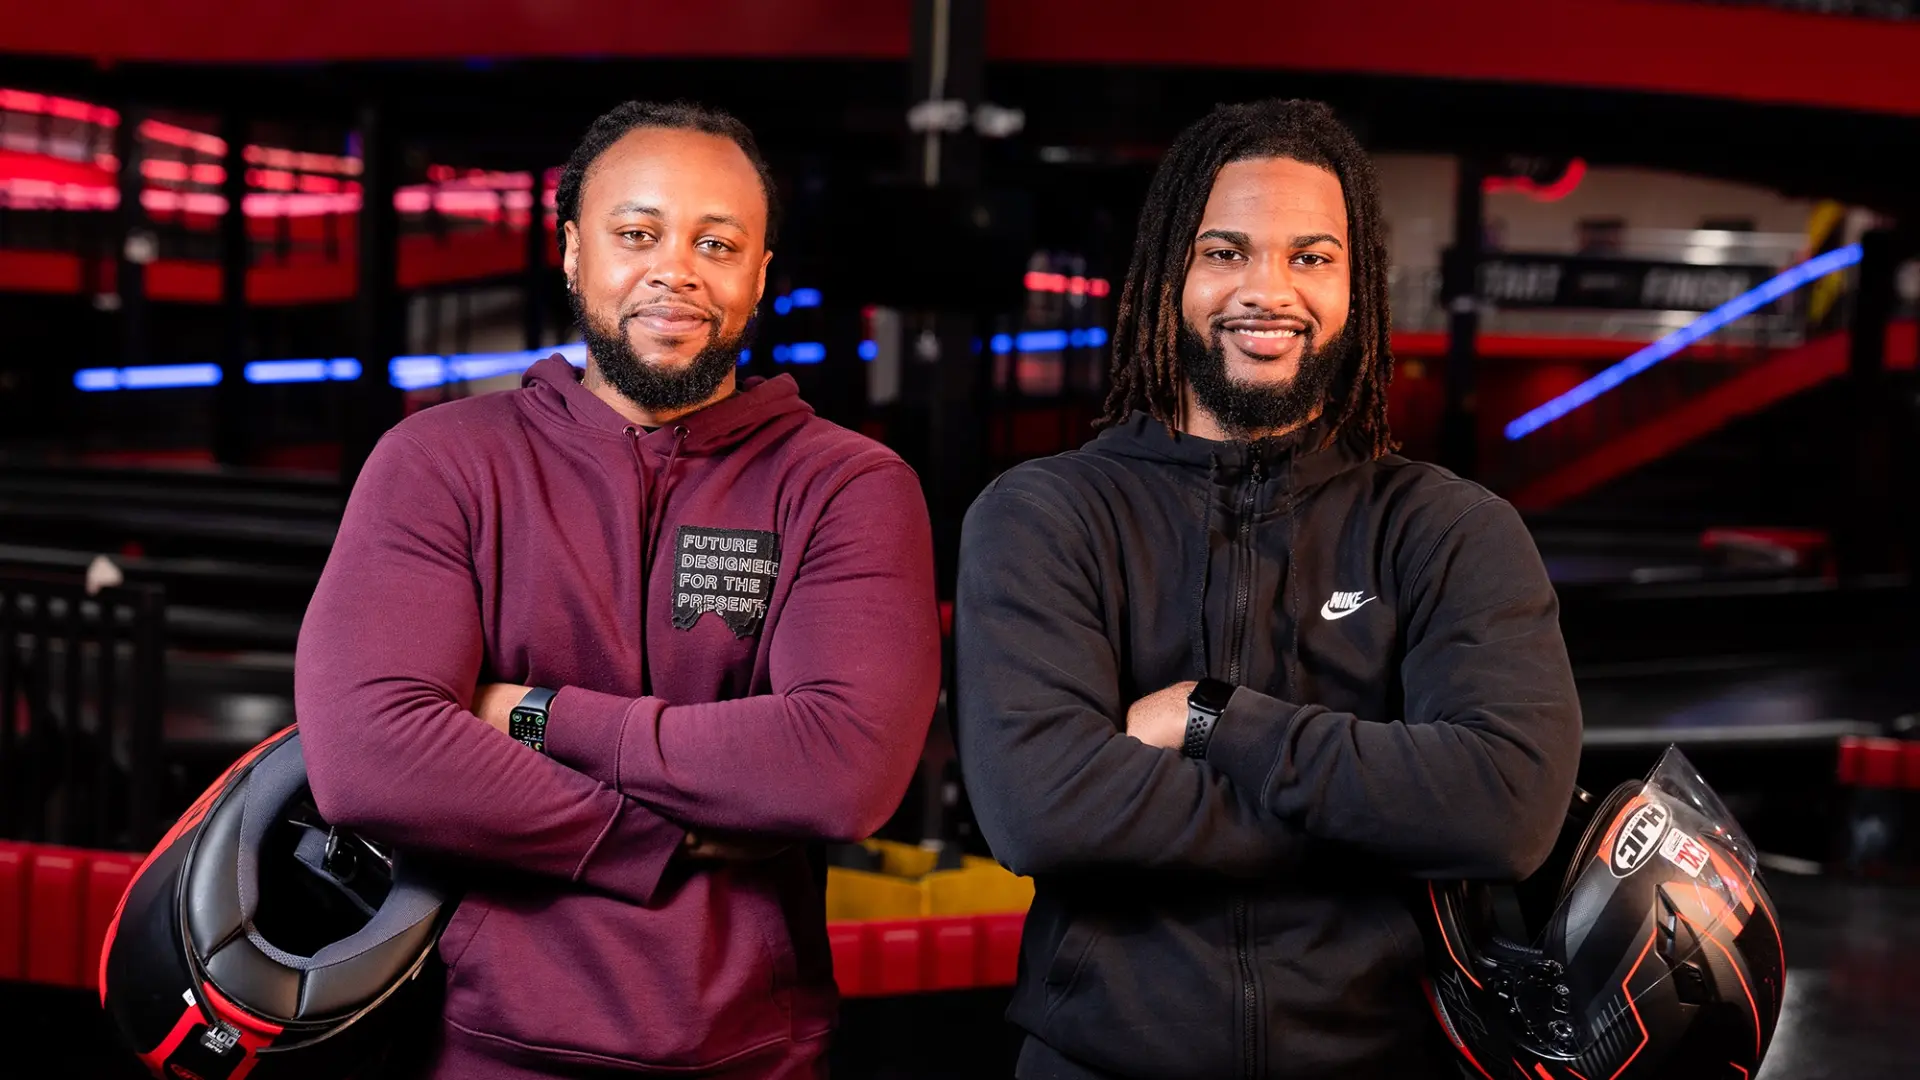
(1233, 673)
(624, 643)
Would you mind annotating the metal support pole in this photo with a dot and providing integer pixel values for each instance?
(376, 404)
(535, 283)
(137, 242)
(1863, 543)
(1459, 424)
(949, 65)
(230, 414)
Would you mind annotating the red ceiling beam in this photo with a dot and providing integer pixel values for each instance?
(246, 30)
(1659, 46)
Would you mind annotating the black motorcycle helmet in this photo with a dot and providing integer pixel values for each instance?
(1647, 949)
(258, 941)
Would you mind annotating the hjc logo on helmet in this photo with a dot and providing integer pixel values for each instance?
(1639, 838)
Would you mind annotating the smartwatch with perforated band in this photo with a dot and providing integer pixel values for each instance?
(1205, 703)
(528, 720)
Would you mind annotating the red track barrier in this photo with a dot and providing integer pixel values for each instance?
(56, 902)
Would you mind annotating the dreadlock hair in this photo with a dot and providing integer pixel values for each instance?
(1145, 367)
(679, 116)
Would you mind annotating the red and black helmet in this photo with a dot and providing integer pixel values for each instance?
(1647, 949)
(258, 941)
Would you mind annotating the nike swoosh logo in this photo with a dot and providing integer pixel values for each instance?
(1327, 610)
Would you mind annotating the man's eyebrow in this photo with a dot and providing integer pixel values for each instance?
(625, 208)
(1231, 236)
(1311, 239)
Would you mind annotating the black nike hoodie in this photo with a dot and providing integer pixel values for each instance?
(1405, 710)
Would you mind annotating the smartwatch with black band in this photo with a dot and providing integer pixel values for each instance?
(528, 720)
(1204, 705)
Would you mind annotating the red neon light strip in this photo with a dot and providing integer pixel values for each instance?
(1554, 192)
(65, 108)
(1039, 281)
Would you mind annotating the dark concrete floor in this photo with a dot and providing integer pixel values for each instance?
(1853, 982)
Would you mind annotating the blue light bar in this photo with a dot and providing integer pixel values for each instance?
(869, 350)
(422, 372)
(416, 372)
(1041, 341)
(302, 371)
(286, 371)
(805, 298)
(147, 377)
(782, 305)
(802, 352)
(745, 355)
(1001, 343)
(164, 376)
(1745, 304)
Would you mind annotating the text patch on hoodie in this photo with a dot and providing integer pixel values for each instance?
(729, 572)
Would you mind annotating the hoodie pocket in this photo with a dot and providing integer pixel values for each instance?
(587, 978)
(1144, 993)
(1068, 958)
(467, 919)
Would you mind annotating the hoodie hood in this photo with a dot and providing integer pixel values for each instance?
(758, 404)
(1142, 437)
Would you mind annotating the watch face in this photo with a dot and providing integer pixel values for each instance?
(1211, 695)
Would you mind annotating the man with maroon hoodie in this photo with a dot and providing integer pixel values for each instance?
(625, 644)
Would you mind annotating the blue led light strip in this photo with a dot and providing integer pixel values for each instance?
(302, 371)
(1039, 341)
(1745, 304)
(424, 372)
(147, 377)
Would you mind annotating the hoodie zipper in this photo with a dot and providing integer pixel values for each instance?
(1249, 1012)
(1244, 564)
(1243, 593)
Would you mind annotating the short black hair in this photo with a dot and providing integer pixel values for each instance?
(1145, 367)
(680, 116)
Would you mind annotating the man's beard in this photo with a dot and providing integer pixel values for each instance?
(1246, 409)
(650, 386)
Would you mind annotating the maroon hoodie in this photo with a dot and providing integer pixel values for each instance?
(738, 611)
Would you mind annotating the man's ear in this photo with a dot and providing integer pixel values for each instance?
(760, 290)
(570, 260)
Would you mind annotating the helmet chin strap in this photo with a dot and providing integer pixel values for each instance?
(355, 868)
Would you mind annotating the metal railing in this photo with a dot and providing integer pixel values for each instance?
(82, 693)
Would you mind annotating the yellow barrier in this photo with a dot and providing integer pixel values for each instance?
(907, 886)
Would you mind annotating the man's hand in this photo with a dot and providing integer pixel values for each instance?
(708, 846)
(1160, 718)
(494, 702)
